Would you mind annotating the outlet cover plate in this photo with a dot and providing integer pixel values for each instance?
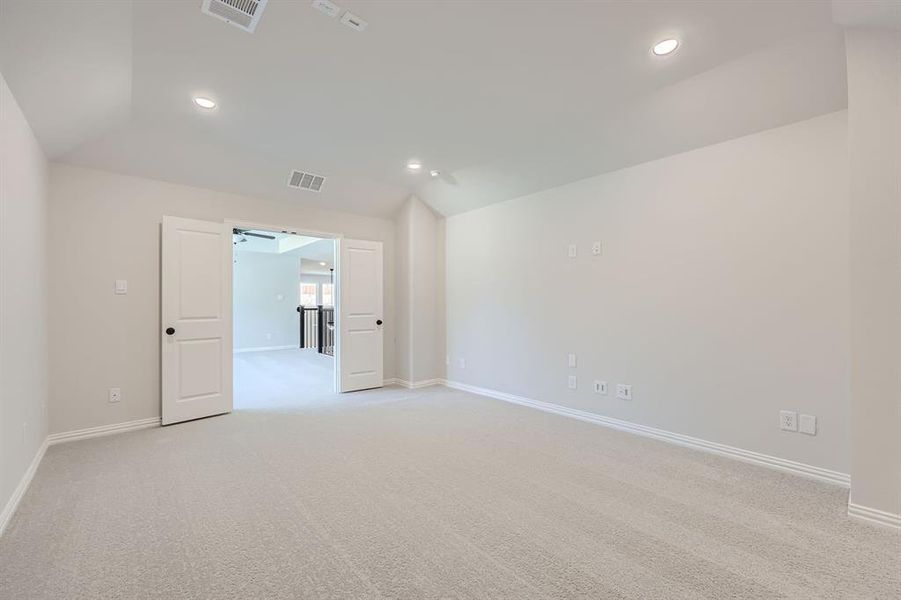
(788, 420)
(623, 391)
(572, 383)
(600, 387)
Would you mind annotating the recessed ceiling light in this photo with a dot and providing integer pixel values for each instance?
(322, 264)
(204, 102)
(665, 47)
(434, 173)
(414, 165)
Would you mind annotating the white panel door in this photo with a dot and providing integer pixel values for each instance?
(196, 319)
(359, 315)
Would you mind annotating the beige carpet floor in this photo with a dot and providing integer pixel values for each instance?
(426, 494)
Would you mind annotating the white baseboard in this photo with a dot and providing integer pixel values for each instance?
(91, 432)
(873, 515)
(58, 438)
(413, 385)
(265, 348)
(13, 502)
(749, 456)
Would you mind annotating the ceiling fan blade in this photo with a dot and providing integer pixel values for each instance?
(237, 231)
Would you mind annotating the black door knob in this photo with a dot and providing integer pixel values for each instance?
(298, 309)
(170, 330)
(379, 322)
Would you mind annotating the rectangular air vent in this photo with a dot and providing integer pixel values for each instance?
(244, 14)
(353, 21)
(306, 181)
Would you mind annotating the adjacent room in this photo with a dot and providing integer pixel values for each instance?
(470, 299)
(284, 319)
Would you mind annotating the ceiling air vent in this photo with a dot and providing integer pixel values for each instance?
(353, 21)
(244, 14)
(306, 181)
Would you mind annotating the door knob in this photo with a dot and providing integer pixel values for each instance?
(170, 330)
(379, 322)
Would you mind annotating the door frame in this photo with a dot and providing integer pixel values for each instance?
(243, 224)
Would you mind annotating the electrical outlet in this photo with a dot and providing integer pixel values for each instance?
(807, 424)
(461, 363)
(115, 395)
(571, 360)
(600, 387)
(572, 383)
(596, 249)
(788, 420)
(623, 391)
(571, 251)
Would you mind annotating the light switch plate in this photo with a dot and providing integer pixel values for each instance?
(121, 287)
(807, 424)
(623, 391)
(596, 249)
(571, 251)
(115, 395)
(571, 360)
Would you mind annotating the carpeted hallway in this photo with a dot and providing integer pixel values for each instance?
(422, 494)
(290, 378)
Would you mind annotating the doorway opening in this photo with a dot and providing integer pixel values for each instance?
(284, 297)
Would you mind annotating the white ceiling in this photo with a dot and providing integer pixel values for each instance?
(505, 98)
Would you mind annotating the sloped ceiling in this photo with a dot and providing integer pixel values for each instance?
(504, 98)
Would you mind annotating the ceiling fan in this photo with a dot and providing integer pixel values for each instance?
(239, 235)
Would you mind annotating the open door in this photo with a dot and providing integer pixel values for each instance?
(196, 319)
(359, 315)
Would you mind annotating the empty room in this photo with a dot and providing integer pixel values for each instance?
(476, 299)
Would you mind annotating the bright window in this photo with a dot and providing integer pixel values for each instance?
(328, 294)
(308, 294)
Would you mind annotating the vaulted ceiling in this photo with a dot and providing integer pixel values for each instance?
(504, 98)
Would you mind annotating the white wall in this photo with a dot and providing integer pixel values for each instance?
(23, 293)
(420, 292)
(874, 107)
(266, 294)
(404, 327)
(721, 295)
(106, 227)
